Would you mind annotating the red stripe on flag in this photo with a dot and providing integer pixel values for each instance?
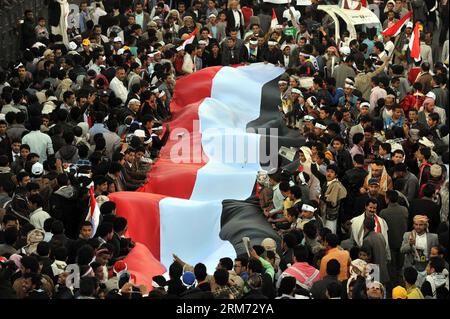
(415, 42)
(92, 203)
(274, 21)
(143, 265)
(396, 28)
(189, 93)
(142, 213)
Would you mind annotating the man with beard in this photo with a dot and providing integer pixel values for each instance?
(273, 54)
(374, 194)
(357, 228)
(333, 192)
(27, 30)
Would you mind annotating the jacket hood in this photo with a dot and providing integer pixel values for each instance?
(66, 192)
(67, 151)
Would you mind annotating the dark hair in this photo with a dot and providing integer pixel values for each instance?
(221, 277)
(200, 272)
(434, 117)
(107, 208)
(120, 224)
(429, 190)
(10, 236)
(332, 240)
(290, 240)
(358, 159)
(43, 248)
(88, 286)
(255, 265)
(392, 196)
(426, 152)
(175, 270)
(334, 168)
(371, 200)
(310, 229)
(410, 274)
(301, 253)
(334, 289)
(284, 186)
(296, 191)
(369, 223)
(333, 267)
(287, 285)
(60, 253)
(47, 224)
(437, 263)
(226, 263)
(242, 260)
(85, 254)
(293, 211)
(104, 229)
(357, 138)
(36, 199)
(57, 227)
(62, 179)
(31, 263)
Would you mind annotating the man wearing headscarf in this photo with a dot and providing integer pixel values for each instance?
(378, 171)
(417, 245)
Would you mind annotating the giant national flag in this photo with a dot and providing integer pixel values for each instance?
(198, 202)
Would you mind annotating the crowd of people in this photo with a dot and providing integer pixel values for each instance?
(361, 212)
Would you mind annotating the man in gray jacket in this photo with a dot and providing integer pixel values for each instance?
(417, 246)
(376, 245)
(396, 217)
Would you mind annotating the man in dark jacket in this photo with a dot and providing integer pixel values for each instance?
(374, 192)
(64, 206)
(396, 217)
(27, 30)
(232, 53)
(273, 54)
(426, 206)
(353, 180)
(376, 245)
(342, 157)
(235, 18)
(319, 288)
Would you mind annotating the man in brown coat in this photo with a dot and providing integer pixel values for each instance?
(425, 77)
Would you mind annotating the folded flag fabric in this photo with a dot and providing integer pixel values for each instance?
(414, 42)
(396, 28)
(274, 21)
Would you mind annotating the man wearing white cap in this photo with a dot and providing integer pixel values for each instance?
(217, 29)
(288, 62)
(253, 50)
(402, 44)
(348, 101)
(429, 107)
